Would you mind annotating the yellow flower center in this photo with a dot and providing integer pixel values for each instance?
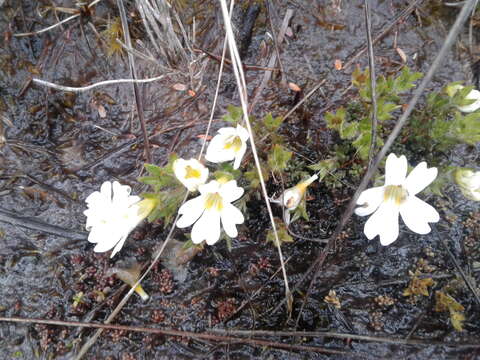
(192, 173)
(233, 142)
(215, 201)
(395, 193)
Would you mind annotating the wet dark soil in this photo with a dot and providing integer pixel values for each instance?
(57, 147)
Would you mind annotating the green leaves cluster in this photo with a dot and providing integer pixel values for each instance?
(354, 123)
(440, 125)
(166, 189)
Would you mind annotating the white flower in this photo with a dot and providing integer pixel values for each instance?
(230, 143)
(469, 183)
(292, 196)
(398, 196)
(207, 210)
(472, 95)
(190, 173)
(112, 213)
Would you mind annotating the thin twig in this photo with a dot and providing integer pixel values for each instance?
(93, 86)
(55, 25)
(373, 84)
(173, 332)
(133, 74)
(38, 225)
(242, 88)
(452, 35)
(275, 42)
(467, 281)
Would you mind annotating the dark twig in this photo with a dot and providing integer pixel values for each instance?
(452, 35)
(133, 73)
(228, 335)
(330, 334)
(38, 225)
(467, 281)
(373, 81)
(172, 332)
(275, 41)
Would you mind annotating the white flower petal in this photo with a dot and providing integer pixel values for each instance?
(216, 151)
(383, 222)
(472, 95)
(369, 200)
(292, 197)
(211, 187)
(420, 178)
(106, 189)
(191, 211)
(242, 132)
(231, 217)
(119, 245)
(416, 214)
(239, 155)
(207, 228)
(395, 169)
(230, 191)
(227, 131)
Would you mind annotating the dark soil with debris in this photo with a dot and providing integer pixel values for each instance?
(57, 147)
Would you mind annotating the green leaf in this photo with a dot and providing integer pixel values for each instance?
(271, 123)
(384, 110)
(335, 120)
(283, 235)
(324, 167)
(348, 131)
(234, 114)
(406, 80)
(153, 170)
(278, 158)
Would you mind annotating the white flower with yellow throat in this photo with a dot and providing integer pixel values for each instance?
(211, 210)
(396, 197)
(229, 144)
(191, 173)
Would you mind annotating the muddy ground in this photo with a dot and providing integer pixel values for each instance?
(58, 147)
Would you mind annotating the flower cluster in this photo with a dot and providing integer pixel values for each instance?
(112, 213)
(213, 209)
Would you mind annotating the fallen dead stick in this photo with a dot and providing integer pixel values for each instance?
(38, 225)
(173, 332)
(231, 335)
(329, 334)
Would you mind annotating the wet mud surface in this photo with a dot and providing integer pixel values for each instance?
(57, 147)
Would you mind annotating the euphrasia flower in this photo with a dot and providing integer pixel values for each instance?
(469, 182)
(398, 196)
(473, 95)
(292, 197)
(209, 209)
(190, 173)
(112, 213)
(229, 144)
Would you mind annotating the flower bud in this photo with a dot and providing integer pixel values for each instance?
(468, 181)
(292, 196)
